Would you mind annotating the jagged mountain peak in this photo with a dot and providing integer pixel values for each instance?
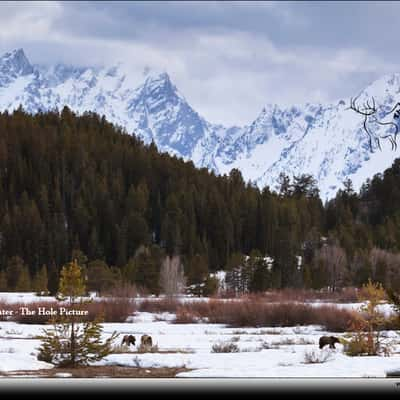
(380, 89)
(161, 78)
(326, 140)
(15, 63)
(14, 54)
(157, 84)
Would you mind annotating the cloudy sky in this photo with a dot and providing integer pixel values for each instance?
(227, 58)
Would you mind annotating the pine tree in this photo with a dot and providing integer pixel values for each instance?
(394, 299)
(366, 338)
(53, 279)
(3, 281)
(56, 347)
(71, 285)
(197, 269)
(14, 270)
(100, 277)
(23, 281)
(40, 282)
(70, 344)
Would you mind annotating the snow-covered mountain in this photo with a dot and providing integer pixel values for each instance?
(325, 140)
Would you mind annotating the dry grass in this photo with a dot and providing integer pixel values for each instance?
(99, 372)
(127, 291)
(345, 295)
(18, 316)
(111, 310)
(184, 315)
(304, 341)
(284, 342)
(123, 349)
(159, 305)
(252, 312)
(147, 349)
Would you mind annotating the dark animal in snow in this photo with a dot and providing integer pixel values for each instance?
(128, 340)
(331, 340)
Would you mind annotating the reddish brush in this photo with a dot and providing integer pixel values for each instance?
(39, 312)
(251, 312)
(159, 305)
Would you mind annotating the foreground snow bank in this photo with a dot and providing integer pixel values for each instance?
(264, 363)
(19, 353)
(262, 352)
(270, 352)
(14, 362)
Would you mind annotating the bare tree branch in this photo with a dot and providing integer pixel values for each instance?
(369, 113)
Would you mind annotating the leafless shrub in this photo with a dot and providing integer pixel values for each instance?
(285, 341)
(285, 364)
(240, 332)
(172, 279)
(159, 305)
(125, 290)
(186, 316)
(256, 313)
(250, 349)
(13, 332)
(269, 346)
(304, 341)
(316, 357)
(334, 259)
(269, 332)
(340, 295)
(121, 349)
(112, 310)
(8, 350)
(385, 266)
(226, 347)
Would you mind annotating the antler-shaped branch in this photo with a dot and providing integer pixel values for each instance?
(367, 109)
(369, 112)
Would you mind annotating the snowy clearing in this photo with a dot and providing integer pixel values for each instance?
(260, 352)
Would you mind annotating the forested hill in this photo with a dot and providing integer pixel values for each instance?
(73, 183)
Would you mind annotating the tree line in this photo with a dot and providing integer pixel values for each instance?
(78, 186)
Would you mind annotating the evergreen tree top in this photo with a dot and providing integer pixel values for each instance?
(71, 282)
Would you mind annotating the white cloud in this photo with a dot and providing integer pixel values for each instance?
(227, 74)
(32, 19)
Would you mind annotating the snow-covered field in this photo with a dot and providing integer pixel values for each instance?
(261, 352)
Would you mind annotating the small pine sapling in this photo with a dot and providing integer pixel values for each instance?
(69, 343)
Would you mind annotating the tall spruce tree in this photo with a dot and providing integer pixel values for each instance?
(71, 343)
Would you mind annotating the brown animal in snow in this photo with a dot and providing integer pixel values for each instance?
(146, 340)
(128, 340)
(331, 340)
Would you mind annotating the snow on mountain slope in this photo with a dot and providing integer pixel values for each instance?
(153, 110)
(325, 140)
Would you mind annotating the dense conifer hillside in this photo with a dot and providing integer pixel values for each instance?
(79, 185)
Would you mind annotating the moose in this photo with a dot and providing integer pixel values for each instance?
(128, 340)
(331, 340)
